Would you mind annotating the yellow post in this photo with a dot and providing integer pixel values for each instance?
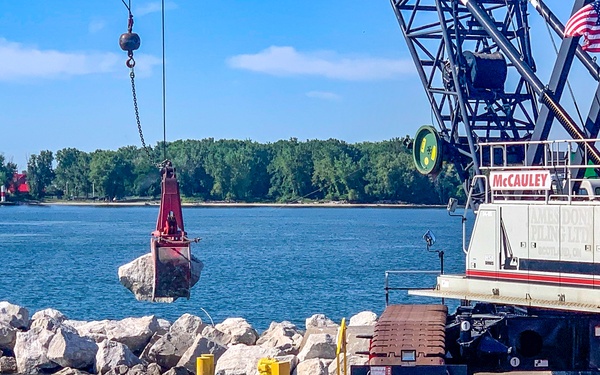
(203, 366)
(270, 366)
(211, 363)
(280, 368)
(341, 346)
(264, 366)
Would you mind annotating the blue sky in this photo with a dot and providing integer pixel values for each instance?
(255, 69)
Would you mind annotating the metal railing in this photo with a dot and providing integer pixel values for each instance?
(564, 161)
(403, 288)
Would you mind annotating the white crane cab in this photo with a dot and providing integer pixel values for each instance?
(533, 244)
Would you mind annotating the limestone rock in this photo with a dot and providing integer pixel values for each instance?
(168, 349)
(318, 345)
(239, 331)
(8, 336)
(95, 330)
(49, 313)
(187, 323)
(215, 335)
(153, 369)
(241, 359)
(163, 326)
(285, 337)
(133, 332)
(153, 340)
(319, 321)
(71, 371)
(365, 318)
(314, 366)
(31, 350)
(14, 315)
(138, 277)
(201, 345)
(8, 365)
(356, 344)
(119, 370)
(352, 360)
(74, 323)
(332, 331)
(50, 322)
(179, 371)
(71, 350)
(137, 370)
(112, 354)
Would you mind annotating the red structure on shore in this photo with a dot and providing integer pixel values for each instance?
(19, 184)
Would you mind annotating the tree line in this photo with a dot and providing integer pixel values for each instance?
(243, 171)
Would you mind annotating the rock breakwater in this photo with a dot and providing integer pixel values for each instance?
(49, 342)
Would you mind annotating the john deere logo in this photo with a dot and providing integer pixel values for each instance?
(425, 155)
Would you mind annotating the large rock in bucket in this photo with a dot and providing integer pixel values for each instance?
(138, 277)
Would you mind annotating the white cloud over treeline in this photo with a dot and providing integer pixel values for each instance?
(286, 61)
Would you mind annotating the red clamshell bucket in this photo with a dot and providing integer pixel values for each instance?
(170, 246)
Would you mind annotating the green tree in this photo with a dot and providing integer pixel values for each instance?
(447, 185)
(40, 173)
(142, 175)
(72, 172)
(5, 175)
(391, 176)
(237, 170)
(189, 159)
(110, 173)
(260, 158)
(146, 180)
(291, 171)
(337, 173)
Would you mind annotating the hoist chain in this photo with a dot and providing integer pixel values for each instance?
(137, 114)
(130, 42)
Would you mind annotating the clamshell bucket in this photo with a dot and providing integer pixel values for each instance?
(170, 246)
(172, 269)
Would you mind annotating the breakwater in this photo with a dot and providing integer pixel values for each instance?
(50, 342)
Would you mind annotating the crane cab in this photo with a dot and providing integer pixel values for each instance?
(533, 244)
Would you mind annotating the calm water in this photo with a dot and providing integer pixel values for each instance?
(263, 264)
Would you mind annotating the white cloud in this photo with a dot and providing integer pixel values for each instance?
(323, 95)
(286, 61)
(152, 7)
(96, 26)
(18, 62)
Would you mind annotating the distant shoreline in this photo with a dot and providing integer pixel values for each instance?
(241, 205)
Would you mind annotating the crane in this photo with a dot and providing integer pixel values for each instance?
(170, 246)
(530, 293)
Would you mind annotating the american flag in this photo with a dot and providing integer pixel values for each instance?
(586, 22)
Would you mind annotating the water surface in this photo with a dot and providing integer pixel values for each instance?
(264, 264)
